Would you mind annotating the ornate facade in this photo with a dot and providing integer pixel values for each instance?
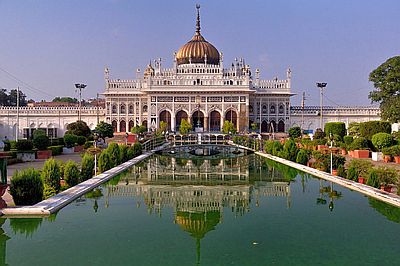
(201, 89)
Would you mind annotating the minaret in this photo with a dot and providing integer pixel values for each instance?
(106, 77)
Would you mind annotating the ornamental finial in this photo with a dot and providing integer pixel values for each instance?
(198, 20)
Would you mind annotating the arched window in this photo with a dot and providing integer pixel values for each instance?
(272, 109)
(264, 109)
(281, 109)
(122, 109)
(250, 109)
(130, 109)
(114, 109)
(144, 108)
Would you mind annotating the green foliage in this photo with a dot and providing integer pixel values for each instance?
(123, 152)
(268, 146)
(134, 150)
(319, 134)
(382, 140)
(348, 140)
(80, 140)
(392, 213)
(337, 161)
(41, 142)
(115, 154)
(48, 192)
(370, 128)
(138, 129)
(105, 162)
(362, 167)
(185, 127)
(87, 166)
(387, 175)
(26, 187)
(276, 148)
(253, 126)
(295, 132)
(24, 145)
(38, 132)
(335, 128)
(70, 140)
(228, 127)
(341, 171)
(56, 150)
(373, 178)
(104, 130)
(65, 100)
(360, 143)
(386, 82)
(79, 128)
(71, 173)
(88, 144)
(354, 129)
(289, 151)
(25, 226)
(303, 156)
(352, 173)
(163, 126)
(51, 174)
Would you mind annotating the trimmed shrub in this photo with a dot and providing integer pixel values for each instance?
(105, 161)
(335, 128)
(123, 152)
(352, 174)
(276, 148)
(79, 128)
(71, 173)
(40, 141)
(26, 187)
(70, 140)
(56, 150)
(319, 134)
(370, 128)
(80, 140)
(373, 179)
(294, 132)
(382, 140)
(88, 144)
(137, 147)
(87, 166)
(13, 145)
(362, 167)
(360, 143)
(348, 140)
(51, 174)
(24, 145)
(289, 151)
(302, 157)
(268, 146)
(48, 192)
(115, 154)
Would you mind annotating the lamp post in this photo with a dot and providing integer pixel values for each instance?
(321, 86)
(95, 138)
(330, 136)
(79, 87)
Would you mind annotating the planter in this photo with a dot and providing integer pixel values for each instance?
(46, 154)
(377, 156)
(28, 156)
(78, 148)
(362, 180)
(361, 154)
(351, 153)
(396, 159)
(343, 152)
(68, 150)
(334, 172)
(389, 188)
(387, 158)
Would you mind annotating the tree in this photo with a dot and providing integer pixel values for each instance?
(354, 129)
(65, 100)
(295, 132)
(335, 128)
(138, 129)
(104, 130)
(386, 79)
(228, 127)
(185, 127)
(12, 98)
(78, 128)
(3, 97)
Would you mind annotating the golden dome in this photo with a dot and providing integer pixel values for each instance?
(197, 50)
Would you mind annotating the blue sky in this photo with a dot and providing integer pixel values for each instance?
(49, 45)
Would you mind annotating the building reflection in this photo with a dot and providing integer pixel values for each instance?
(199, 191)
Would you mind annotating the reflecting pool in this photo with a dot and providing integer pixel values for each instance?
(243, 210)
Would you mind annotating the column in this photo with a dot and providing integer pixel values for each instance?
(206, 123)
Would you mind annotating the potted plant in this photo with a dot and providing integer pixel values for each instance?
(24, 150)
(41, 142)
(69, 140)
(359, 170)
(80, 141)
(380, 141)
(387, 154)
(396, 153)
(360, 148)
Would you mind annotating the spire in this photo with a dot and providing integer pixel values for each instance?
(198, 20)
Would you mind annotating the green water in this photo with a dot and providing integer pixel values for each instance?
(238, 211)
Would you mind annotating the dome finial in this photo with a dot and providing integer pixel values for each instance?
(198, 19)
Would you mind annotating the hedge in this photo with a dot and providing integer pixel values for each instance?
(370, 128)
(56, 150)
(335, 128)
(26, 187)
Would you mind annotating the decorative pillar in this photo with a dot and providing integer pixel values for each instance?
(206, 126)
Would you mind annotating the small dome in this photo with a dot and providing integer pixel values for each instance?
(197, 50)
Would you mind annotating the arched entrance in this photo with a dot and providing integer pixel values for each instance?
(165, 116)
(179, 116)
(114, 125)
(144, 123)
(272, 127)
(281, 126)
(232, 117)
(122, 126)
(197, 120)
(264, 126)
(215, 121)
(130, 125)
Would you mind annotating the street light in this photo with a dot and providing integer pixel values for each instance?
(198, 101)
(321, 86)
(79, 87)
